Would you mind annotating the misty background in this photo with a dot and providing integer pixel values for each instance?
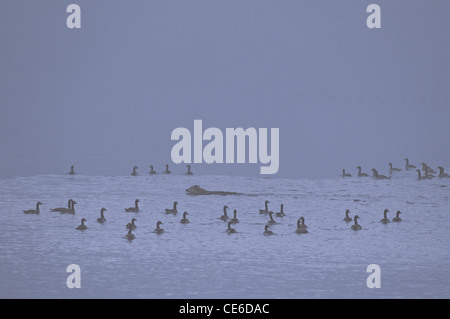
(107, 96)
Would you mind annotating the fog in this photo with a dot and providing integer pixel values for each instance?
(107, 96)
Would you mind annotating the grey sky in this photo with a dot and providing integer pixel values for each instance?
(107, 96)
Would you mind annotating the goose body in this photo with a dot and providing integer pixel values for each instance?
(130, 235)
(378, 176)
(344, 174)
(62, 209)
(134, 209)
(167, 171)
(393, 169)
(33, 211)
(224, 217)
(189, 170)
(441, 173)
(132, 225)
(409, 166)
(421, 178)
(356, 226)
(70, 210)
(397, 217)
(234, 220)
(281, 212)
(347, 218)
(72, 172)
(301, 227)
(230, 230)
(172, 210)
(102, 218)
(82, 226)
(158, 230)
(361, 174)
(271, 220)
(134, 173)
(152, 171)
(385, 220)
(185, 220)
(267, 231)
(266, 209)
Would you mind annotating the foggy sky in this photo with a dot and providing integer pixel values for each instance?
(107, 96)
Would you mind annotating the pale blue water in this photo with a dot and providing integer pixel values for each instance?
(200, 260)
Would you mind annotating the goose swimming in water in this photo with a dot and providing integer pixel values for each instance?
(441, 173)
(224, 217)
(281, 212)
(347, 218)
(266, 210)
(132, 225)
(229, 229)
(167, 169)
(356, 226)
(102, 218)
(70, 210)
(82, 226)
(234, 220)
(62, 209)
(134, 209)
(33, 211)
(344, 174)
(421, 178)
(271, 220)
(427, 169)
(152, 171)
(361, 174)
(301, 227)
(397, 217)
(185, 220)
(173, 210)
(393, 169)
(267, 231)
(189, 170)
(130, 235)
(159, 230)
(71, 172)
(385, 220)
(409, 166)
(378, 176)
(134, 173)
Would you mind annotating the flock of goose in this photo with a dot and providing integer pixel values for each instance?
(135, 168)
(427, 171)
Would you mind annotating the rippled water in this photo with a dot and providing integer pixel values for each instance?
(200, 260)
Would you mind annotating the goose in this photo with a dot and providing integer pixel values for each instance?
(378, 176)
(130, 235)
(33, 211)
(266, 210)
(300, 229)
(61, 209)
(134, 209)
(361, 174)
(397, 217)
(344, 174)
(427, 169)
(173, 210)
(271, 220)
(82, 226)
(189, 170)
(385, 220)
(102, 218)
(301, 223)
(234, 220)
(159, 230)
(267, 231)
(347, 218)
(70, 210)
(229, 229)
(356, 226)
(152, 171)
(167, 169)
(281, 212)
(441, 173)
(407, 165)
(224, 217)
(134, 173)
(421, 178)
(393, 169)
(71, 172)
(185, 220)
(132, 225)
